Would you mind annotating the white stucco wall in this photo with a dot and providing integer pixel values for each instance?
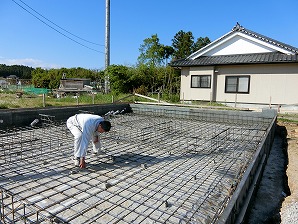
(269, 84)
(188, 93)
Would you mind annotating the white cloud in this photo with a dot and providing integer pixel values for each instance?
(27, 62)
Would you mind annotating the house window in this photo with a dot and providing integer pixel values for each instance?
(200, 81)
(237, 84)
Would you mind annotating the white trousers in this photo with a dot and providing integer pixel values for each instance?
(80, 145)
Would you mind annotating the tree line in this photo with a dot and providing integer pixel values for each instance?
(21, 71)
(151, 72)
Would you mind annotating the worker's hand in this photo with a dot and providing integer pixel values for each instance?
(96, 139)
(82, 163)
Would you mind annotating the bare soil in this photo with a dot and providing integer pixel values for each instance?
(276, 199)
(289, 209)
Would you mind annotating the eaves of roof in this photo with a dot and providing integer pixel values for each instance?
(259, 58)
(240, 29)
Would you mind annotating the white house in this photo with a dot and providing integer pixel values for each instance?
(241, 68)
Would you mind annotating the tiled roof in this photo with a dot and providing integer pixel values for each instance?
(259, 58)
(255, 58)
(239, 28)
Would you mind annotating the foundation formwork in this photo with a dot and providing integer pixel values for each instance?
(161, 165)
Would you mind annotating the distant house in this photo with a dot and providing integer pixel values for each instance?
(3, 84)
(74, 85)
(12, 79)
(241, 67)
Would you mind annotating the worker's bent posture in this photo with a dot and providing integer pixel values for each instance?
(84, 127)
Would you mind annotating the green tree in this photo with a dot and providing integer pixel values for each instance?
(21, 71)
(151, 52)
(183, 44)
(120, 78)
(54, 76)
(40, 78)
(166, 53)
(144, 77)
(201, 42)
(51, 78)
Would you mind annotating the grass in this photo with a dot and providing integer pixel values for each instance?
(9, 100)
(288, 117)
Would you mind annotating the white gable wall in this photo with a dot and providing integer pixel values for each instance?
(238, 45)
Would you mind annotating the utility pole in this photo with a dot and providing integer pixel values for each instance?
(107, 44)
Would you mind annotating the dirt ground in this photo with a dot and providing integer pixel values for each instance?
(289, 209)
(277, 195)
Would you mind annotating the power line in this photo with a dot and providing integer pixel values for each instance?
(57, 26)
(60, 26)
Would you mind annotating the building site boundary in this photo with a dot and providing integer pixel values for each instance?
(240, 200)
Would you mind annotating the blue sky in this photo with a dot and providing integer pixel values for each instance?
(25, 40)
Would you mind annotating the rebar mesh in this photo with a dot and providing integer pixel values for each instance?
(162, 169)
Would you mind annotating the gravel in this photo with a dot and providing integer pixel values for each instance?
(289, 214)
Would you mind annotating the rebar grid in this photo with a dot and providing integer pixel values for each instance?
(157, 168)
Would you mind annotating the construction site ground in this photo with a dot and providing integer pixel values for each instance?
(277, 196)
(289, 210)
(156, 170)
(138, 180)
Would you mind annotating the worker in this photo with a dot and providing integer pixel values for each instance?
(85, 127)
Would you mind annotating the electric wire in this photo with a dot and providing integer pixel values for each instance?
(57, 26)
(60, 26)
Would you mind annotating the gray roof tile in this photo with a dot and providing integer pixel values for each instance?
(260, 58)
